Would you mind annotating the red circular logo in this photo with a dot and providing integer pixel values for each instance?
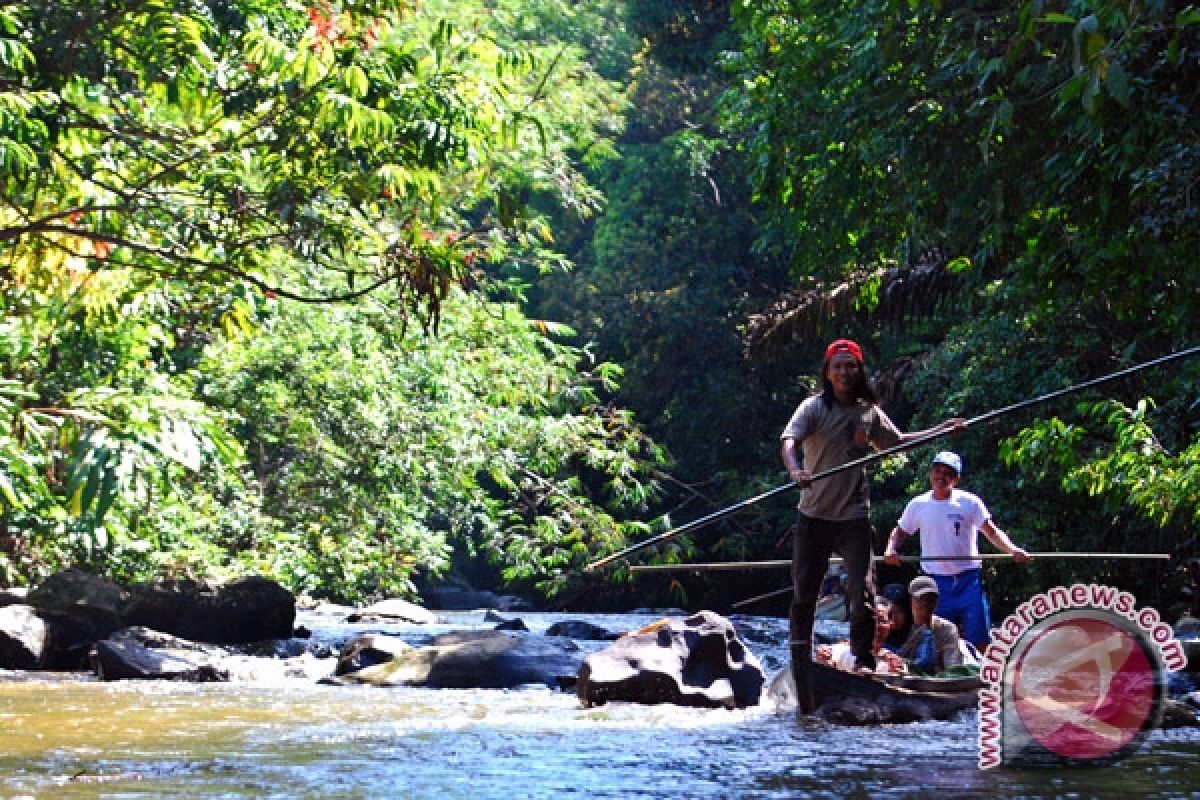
(1084, 687)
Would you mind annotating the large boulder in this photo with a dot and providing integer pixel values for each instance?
(80, 608)
(77, 608)
(69, 637)
(143, 654)
(22, 638)
(693, 661)
(88, 599)
(476, 660)
(244, 610)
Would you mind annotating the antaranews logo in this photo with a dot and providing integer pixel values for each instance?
(1075, 675)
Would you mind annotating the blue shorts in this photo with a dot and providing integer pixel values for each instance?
(961, 600)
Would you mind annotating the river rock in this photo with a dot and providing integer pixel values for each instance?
(22, 638)
(462, 598)
(329, 609)
(517, 624)
(1187, 627)
(244, 610)
(476, 660)
(143, 654)
(1179, 714)
(368, 650)
(78, 608)
(395, 608)
(82, 596)
(693, 661)
(581, 630)
(69, 638)
(1191, 651)
(14, 596)
(503, 623)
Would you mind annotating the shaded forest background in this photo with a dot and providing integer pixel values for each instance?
(370, 295)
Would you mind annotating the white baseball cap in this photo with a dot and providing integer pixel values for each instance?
(950, 460)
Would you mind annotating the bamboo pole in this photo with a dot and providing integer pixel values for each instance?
(780, 563)
(752, 600)
(788, 589)
(716, 515)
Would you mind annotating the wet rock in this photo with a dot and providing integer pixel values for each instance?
(143, 654)
(505, 623)
(694, 661)
(395, 609)
(581, 630)
(369, 650)
(68, 640)
(1187, 627)
(76, 608)
(332, 610)
(1191, 650)
(90, 599)
(22, 638)
(1179, 714)
(513, 625)
(476, 660)
(463, 598)
(244, 610)
(16, 596)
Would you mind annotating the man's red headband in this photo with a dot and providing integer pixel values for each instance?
(844, 346)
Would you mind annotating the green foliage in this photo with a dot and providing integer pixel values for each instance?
(1046, 147)
(683, 33)
(94, 426)
(307, 151)
(170, 172)
(375, 453)
(1118, 464)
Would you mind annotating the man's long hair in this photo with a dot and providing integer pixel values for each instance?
(864, 390)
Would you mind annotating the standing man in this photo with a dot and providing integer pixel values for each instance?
(949, 521)
(828, 430)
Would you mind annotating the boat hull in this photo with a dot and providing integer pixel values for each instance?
(862, 699)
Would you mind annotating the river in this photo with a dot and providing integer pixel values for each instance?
(283, 736)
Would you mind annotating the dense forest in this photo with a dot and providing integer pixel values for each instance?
(373, 294)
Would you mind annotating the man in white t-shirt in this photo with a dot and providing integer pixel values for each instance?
(948, 521)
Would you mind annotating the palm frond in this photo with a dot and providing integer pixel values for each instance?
(824, 309)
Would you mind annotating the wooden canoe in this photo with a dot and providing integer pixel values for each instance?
(855, 698)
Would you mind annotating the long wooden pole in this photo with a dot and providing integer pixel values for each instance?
(778, 564)
(787, 589)
(767, 596)
(990, 415)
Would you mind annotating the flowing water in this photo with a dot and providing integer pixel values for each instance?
(281, 736)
